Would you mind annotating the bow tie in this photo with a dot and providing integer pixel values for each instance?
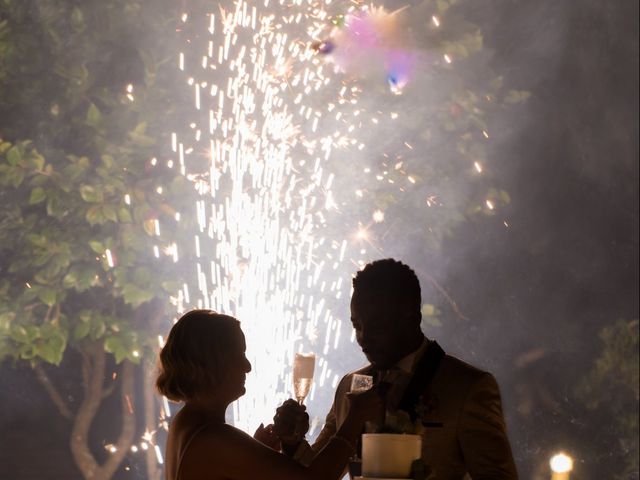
(392, 384)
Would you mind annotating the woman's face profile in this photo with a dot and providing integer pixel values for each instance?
(236, 367)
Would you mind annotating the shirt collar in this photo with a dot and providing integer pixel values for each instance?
(406, 364)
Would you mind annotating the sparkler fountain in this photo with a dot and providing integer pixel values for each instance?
(256, 156)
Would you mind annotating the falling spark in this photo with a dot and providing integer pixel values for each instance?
(478, 167)
(490, 204)
(435, 21)
(158, 454)
(447, 58)
(110, 262)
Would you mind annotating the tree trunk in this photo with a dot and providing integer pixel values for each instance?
(93, 370)
(150, 396)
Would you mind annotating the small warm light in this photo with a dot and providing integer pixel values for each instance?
(134, 448)
(378, 216)
(478, 167)
(127, 199)
(359, 193)
(490, 205)
(411, 179)
(135, 353)
(447, 58)
(362, 234)
(561, 463)
(486, 135)
(435, 21)
(144, 446)
(154, 161)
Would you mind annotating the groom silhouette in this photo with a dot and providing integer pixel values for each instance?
(454, 406)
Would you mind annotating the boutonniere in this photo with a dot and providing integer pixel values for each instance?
(426, 405)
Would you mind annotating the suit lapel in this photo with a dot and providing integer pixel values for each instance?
(424, 372)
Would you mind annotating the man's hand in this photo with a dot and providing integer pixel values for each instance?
(290, 424)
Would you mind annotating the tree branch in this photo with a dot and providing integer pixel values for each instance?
(51, 389)
(93, 368)
(128, 430)
(447, 297)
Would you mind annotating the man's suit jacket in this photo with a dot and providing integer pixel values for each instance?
(464, 429)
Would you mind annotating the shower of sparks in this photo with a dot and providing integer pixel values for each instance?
(264, 191)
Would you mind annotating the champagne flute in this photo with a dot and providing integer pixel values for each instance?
(303, 367)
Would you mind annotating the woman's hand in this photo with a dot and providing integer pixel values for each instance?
(267, 436)
(291, 423)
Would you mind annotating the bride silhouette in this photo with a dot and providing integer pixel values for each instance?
(203, 364)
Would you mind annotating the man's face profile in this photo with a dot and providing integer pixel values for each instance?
(382, 327)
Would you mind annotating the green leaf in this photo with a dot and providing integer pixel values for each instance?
(124, 215)
(50, 353)
(14, 156)
(112, 344)
(19, 334)
(91, 194)
(136, 296)
(81, 331)
(120, 355)
(109, 211)
(37, 195)
(428, 310)
(516, 96)
(36, 160)
(94, 117)
(97, 328)
(97, 246)
(77, 19)
(33, 332)
(94, 215)
(107, 160)
(47, 295)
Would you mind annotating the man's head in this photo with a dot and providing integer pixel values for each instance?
(385, 311)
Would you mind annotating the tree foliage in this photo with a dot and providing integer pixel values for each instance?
(611, 391)
(89, 205)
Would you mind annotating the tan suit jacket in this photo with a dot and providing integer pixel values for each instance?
(465, 432)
